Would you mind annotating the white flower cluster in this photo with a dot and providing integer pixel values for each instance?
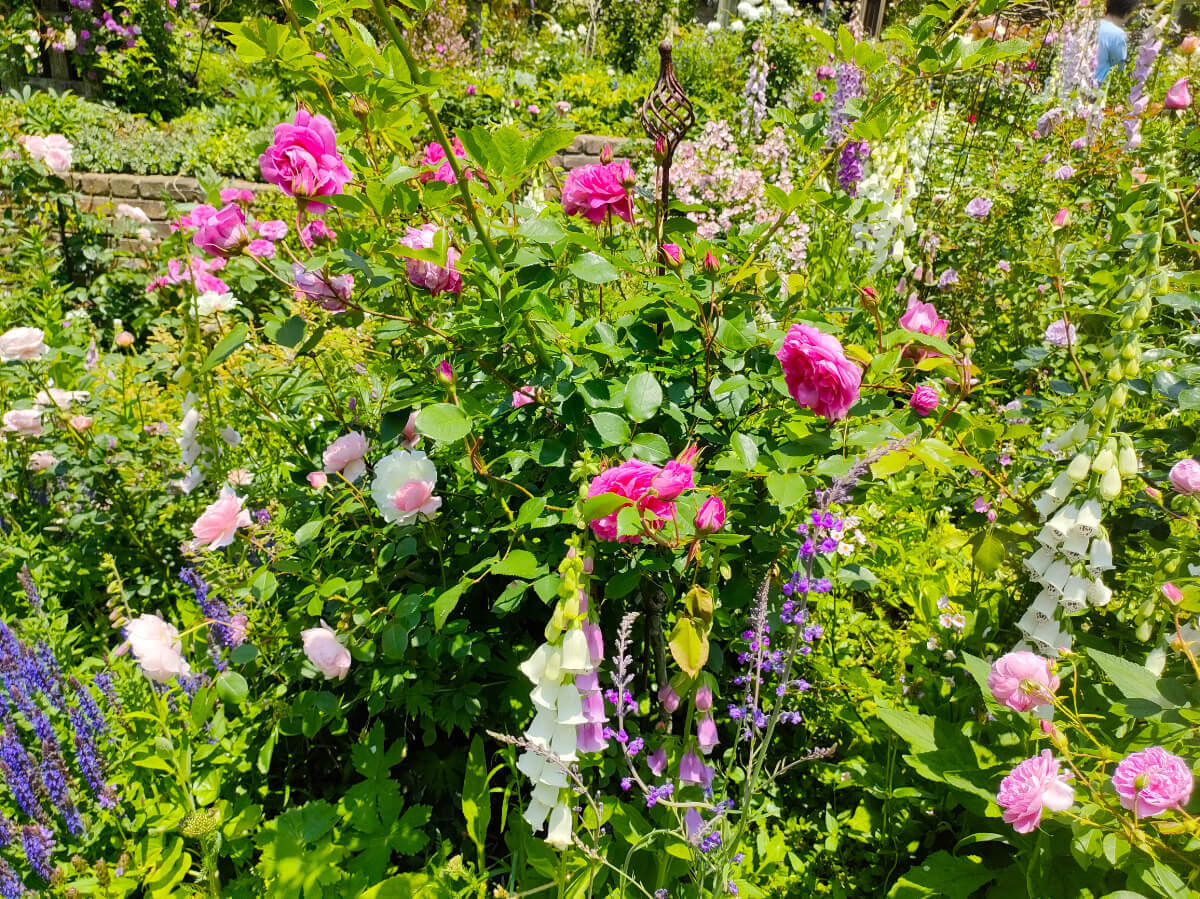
(569, 717)
(1074, 549)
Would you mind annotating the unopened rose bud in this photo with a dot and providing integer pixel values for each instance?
(360, 107)
(711, 264)
(445, 373)
(660, 150)
(672, 254)
(1189, 45)
(606, 155)
(1062, 217)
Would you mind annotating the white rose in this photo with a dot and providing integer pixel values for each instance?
(26, 422)
(22, 345)
(157, 648)
(403, 487)
(210, 301)
(327, 655)
(129, 211)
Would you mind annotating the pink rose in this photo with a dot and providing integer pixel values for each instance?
(193, 219)
(924, 400)
(41, 460)
(317, 480)
(411, 436)
(54, 151)
(1152, 781)
(711, 265)
(435, 278)
(157, 648)
(260, 249)
(922, 318)
(217, 525)
(80, 422)
(818, 374)
(673, 254)
(316, 232)
(1185, 477)
(1033, 785)
(1178, 97)
(123, 339)
(22, 345)
(346, 455)
(1062, 217)
(1189, 45)
(675, 478)
(711, 515)
(598, 191)
(330, 293)
(524, 396)
(435, 159)
(1022, 680)
(237, 195)
(634, 480)
(223, 234)
(327, 655)
(274, 229)
(25, 422)
(304, 162)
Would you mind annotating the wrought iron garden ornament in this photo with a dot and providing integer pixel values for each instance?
(667, 115)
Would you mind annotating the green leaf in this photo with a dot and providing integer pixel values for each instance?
(476, 800)
(601, 505)
(286, 333)
(232, 687)
(643, 396)
(689, 645)
(943, 875)
(224, 348)
(745, 450)
(593, 268)
(786, 489)
(612, 428)
(989, 552)
(306, 533)
(651, 447)
(444, 422)
(518, 563)
(1134, 681)
(448, 601)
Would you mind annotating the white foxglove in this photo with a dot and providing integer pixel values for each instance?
(1099, 594)
(575, 656)
(535, 814)
(1056, 576)
(1063, 521)
(1110, 484)
(1100, 555)
(1039, 562)
(1087, 522)
(1047, 536)
(570, 707)
(1074, 596)
(1127, 461)
(1078, 469)
(559, 833)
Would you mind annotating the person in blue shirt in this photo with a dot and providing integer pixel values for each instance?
(1111, 36)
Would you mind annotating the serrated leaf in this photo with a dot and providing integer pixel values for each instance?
(444, 422)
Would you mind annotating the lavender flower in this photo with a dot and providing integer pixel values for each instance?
(21, 775)
(849, 87)
(214, 610)
(755, 92)
(979, 208)
(11, 885)
(850, 165)
(31, 591)
(38, 843)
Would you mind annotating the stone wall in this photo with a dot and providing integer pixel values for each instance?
(158, 195)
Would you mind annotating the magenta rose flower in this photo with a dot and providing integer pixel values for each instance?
(1178, 96)
(304, 162)
(330, 293)
(435, 278)
(224, 233)
(1185, 477)
(1022, 680)
(316, 232)
(673, 254)
(922, 318)
(1033, 785)
(924, 400)
(634, 480)
(675, 478)
(439, 166)
(818, 374)
(711, 515)
(598, 191)
(1152, 781)
(524, 396)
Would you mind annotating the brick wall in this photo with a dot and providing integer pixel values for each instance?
(157, 194)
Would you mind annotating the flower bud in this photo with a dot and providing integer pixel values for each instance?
(360, 107)
(1189, 45)
(1100, 406)
(1116, 372)
(669, 698)
(1103, 461)
(660, 150)
(606, 155)
(1127, 461)
(711, 264)
(1133, 368)
(1110, 484)
(672, 255)
(123, 339)
(1078, 469)
(704, 698)
(445, 373)
(1119, 394)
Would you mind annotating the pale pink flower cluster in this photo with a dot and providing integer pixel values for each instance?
(54, 151)
(713, 172)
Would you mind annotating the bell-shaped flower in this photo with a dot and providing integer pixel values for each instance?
(595, 642)
(1110, 484)
(534, 666)
(531, 764)
(558, 834)
(691, 768)
(545, 794)
(570, 706)
(1047, 536)
(545, 694)
(535, 814)
(1079, 467)
(593, 707)
(1087, 522)
(590, 738)
(587, 682)
(1060, 487)
(576, 657)
(1039, 562)
(1049, 638)
(1099, 555)
(1044, 604)
(564, 743)
(657, 761)
(1075, 547)
(543, 728)
(1074, 595)
(1098, 593)
(1063, 521)
(1045, 505)
(1056, 576)
(706, 734)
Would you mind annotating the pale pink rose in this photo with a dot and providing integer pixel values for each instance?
(128, 211)
(22, 345)
(403, 487)
(1022, 680)
(632, 479)
(157, 648)
(598, 191)
(25, 422)
(327, 655)
(922, 318)
(303, 161)
(80, 422)
(224, 233)
(438, 166)
(1060, 333)
(217, 525)
(1152, 781)
(818, 374)
(1189, 45)
(411, 436)
(237, 195)
(1033, 785)
(274, 229)
(524, 396)
(1178, 96)
(346, 455)
(41, 460)
(59, 398)
(1185, 477)
(123, 339)
(240, 477)
(317, 480)
(435, 278)
(711, 515)
(53, 150)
